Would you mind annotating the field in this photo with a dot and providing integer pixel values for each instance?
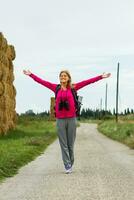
(33, 134)
(22, 145)
(123, 131)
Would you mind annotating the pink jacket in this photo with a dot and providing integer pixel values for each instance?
(65, 94)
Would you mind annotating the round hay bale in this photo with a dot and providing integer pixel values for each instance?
(1, 70)
(7, 90)
(14, 117)
(1, 114)
(11, 66)
(1, 73)
(4, 45)
(1, 56)
(11, 125)
(4, 118)
(10, 104)
(12, 78)
(3, 129)
(6, 74)
(14, 91)
(10, 91)
(11, 52)
(8, 119)
(2, 103)
(7, 102)
(1, 39)
(2, 88)
(4, 58)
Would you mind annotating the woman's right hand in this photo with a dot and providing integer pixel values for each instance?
(27, 72)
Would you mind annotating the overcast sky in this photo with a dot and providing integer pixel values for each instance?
(87, 37)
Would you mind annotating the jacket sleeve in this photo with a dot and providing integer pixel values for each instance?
(47, 84)
(84, 83)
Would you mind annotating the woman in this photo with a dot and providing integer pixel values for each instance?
(65, 111)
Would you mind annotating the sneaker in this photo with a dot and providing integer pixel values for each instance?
(68, 169)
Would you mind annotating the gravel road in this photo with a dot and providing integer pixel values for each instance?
(103, 170)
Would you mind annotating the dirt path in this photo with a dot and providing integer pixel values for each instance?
(103, 170)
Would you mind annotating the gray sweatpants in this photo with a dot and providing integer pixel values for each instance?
(66, 130)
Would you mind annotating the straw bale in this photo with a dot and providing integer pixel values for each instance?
(2, 66)
(5, 74)
(1, 88)
(14, 90)
(11, 66)
(10, 52)
(9, 90)
(2, 103)
(14, 117)
(11, 125)
(7, 102)
(1, 73)
(10, 103)
(8, 116)
(3, 129)
(3, 43)
(11, 118)
(1, 115)
(10, 79)
(4, 58)
(4, 118)
(1, 37)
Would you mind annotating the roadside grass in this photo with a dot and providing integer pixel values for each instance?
(123, 131)
(22, 145)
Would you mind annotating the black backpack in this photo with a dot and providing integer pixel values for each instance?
(77, 99)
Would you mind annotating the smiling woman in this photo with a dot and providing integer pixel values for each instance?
(66, 111)
(65, 79)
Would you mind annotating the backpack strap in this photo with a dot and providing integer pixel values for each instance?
(77, 102)
(57, 89)
(74, 95)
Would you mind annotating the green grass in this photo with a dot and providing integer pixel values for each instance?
(121, 131)
(22, 145)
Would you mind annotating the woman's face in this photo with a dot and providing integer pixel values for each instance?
(64, 78)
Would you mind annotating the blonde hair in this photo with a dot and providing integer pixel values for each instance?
(69, 83)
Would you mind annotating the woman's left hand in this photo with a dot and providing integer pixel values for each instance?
(104, 75)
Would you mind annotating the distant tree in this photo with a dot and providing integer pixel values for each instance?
(44, 114)
(132, 111)
(128, 112)
(83, 113)
(30, 112)
(125, 112)
(121, 113)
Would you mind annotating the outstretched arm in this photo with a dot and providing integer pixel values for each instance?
(47, 84)
(82, 84)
